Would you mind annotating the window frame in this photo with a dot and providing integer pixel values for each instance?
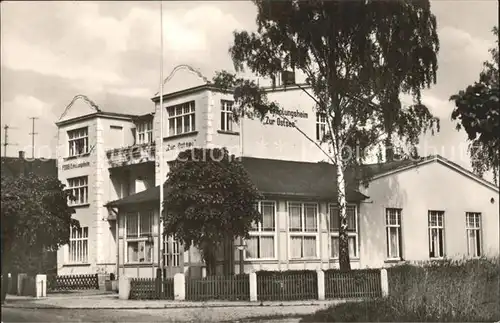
(83, 237)
(84, 187)
(140, 238)
(180, 116)
(332, 234)
(321, 126)
(436, 227)
(72, 141)
(144, 129)
(227, 120)
(264, 233)
(399, 230)
(478, 233)
(303, 233)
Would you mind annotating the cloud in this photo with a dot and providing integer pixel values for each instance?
(457, 43)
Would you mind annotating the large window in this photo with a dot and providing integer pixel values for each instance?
(79, 187)
(172, 252)
(144, 132)
(436, 234)
(139, 229)
(181, 118)
(261, 244)
(473, 227)
(393, 231)
(352, 231)
(226, 115)
(303, 230)
(78, 245)
(78, 141)
(321, 129)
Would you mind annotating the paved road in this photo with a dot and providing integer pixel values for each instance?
(233, 314)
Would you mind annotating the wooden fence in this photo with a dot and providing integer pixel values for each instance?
(362, 283)
(152, 288)
(232, 288)
(72, 282)
(287, 286)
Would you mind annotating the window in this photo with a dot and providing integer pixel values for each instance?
(181, 119)
(261, 244)
(473, 227)
(144, 132)
(78, 245)
(139, 229)
(78, 141)
(226, 115)
(436, 234)
(352, 231)
(78, 186)
(172, 253)
(393, 231)
(303, 230)
(320, 126)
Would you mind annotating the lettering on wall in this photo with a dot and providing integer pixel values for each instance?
(282, 122)
(180, 146)
(74, 165)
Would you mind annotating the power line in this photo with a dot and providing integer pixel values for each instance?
(6, 140)
(33, 133)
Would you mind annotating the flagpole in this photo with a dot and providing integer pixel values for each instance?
(160, 155)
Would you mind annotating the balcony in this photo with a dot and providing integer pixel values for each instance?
(131, 155)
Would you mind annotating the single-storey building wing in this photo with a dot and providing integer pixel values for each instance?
(425, 209)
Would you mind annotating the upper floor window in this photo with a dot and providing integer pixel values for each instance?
(79, 187)
(261, 244)
(352, 231)
(473, 227)
(78, 141)
(226, 115)
(436, 234)
(321, 129)
(144, 132)
(181, 118)
(303, 230)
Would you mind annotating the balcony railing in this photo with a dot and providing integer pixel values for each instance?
(131, 155)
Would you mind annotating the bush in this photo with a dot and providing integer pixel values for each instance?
(439, 291)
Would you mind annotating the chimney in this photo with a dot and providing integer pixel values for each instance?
(21, 154)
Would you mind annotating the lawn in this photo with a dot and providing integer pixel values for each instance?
(444, 291)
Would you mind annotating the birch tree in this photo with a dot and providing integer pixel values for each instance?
(357, 56)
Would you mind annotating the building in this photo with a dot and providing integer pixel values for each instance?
(412, 210)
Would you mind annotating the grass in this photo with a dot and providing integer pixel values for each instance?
(444, 291)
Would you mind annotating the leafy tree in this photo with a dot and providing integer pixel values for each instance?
(477, 109)
(35, 214)
(358, 56)
(209, 200)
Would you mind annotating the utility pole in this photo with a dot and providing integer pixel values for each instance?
(33, 133)
(6, 140)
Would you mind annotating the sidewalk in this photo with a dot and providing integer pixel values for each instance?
(111, 301)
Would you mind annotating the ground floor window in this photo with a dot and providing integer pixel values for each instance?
(172, 252)
(303, 230)
(262, 241)
(78, 245)
(393, 230)
(473, 225)
(139, 240)
(436, 234)
(352, 231)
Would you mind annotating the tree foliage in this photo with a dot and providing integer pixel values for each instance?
(209, 200)
(35, 215)
(358, 56)
(477, 110)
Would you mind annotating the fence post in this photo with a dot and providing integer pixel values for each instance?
(123, 287)
(179, 287)
(253, 286)
(41, 285)
(384, 282)
(20, 283)
(321, 284)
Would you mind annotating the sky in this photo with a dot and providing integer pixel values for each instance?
(110, 51)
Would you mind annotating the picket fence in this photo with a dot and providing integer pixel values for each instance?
(270, 286)
(72, 282)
